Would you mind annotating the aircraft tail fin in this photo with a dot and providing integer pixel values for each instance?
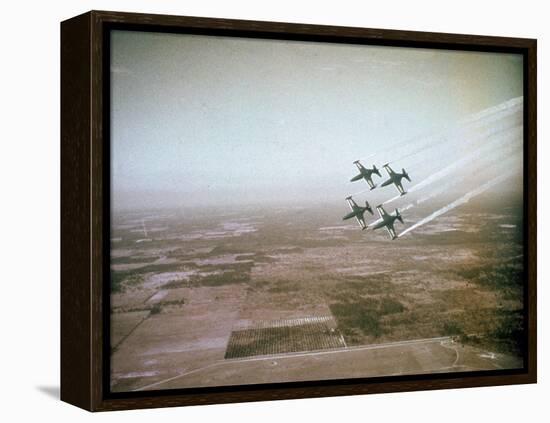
(406, 175)
(398, 215)
(375, 170)
(368, 207)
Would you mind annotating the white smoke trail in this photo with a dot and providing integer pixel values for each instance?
(461, 163)
(436, 192)
(462, 200)
(517, 101)
(490, 114)
(392, 199)
(464, 138)
(407, 207)
(361, 192)
(455, 181)
(501, 163)
(496, 153)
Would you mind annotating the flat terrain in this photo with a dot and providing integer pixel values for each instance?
(220, 297)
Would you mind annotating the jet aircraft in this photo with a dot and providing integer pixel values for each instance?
(395, 178)
(386, 220)
(358, 212)
(366, 174)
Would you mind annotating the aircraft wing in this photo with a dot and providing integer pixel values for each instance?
(389, 169)
(361, 222)
(359, 165)
(373, 224)
(391, 231)
(369, 181)
(399, 187)
(351, 203)
(381, 211)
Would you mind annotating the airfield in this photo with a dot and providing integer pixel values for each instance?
(277, 294)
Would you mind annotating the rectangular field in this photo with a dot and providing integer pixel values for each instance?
(285, 336)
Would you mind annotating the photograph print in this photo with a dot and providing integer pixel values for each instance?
(293, 211)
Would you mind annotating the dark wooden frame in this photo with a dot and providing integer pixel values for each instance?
(85, 212)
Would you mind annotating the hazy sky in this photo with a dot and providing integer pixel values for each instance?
(202, 120)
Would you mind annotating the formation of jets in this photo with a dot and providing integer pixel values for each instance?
(358, 212)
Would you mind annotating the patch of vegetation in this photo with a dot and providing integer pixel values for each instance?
(132, 260)
(356, 286)
(390, 306)
(505, 332)
(129, 277)
(452, 328)
(116, 281)
(507, 338)
(129, 309)
(161, 268)
(222, 249)
(507, 277)
(282, 287)
(360, 316)
(247, 257)
(263, 258)
(363, 316)
(292, 250)
(156, 309)
(509, 333)
(225, 278)
(173, 302)
(175, 284)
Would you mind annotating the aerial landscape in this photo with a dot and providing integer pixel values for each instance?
(190, 292)
(287, 228)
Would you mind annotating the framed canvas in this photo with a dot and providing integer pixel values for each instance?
(258, 210)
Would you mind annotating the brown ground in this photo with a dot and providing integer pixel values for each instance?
(183, 285)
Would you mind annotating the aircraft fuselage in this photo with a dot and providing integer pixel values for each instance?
(386, 221)
(359, 212)
(394, 179)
